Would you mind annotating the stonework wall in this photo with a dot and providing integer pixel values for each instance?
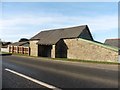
(53, 51)
(33, 48)
(83, 50)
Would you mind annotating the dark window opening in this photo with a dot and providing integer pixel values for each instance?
(44, 50)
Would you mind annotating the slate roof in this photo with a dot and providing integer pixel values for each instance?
(19, 43)
(113, 42)
(53, 36)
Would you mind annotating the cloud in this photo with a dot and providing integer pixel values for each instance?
(98, 22)
(20, 25)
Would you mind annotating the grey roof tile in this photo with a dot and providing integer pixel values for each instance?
(113, 42)
(19, 43)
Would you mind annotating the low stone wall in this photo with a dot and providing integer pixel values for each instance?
(86, 50)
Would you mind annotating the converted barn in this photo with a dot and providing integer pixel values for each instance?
(73, 43)
(51, 44)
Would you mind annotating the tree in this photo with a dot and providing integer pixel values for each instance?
(23, 39)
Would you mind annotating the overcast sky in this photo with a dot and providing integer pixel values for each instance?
(24, 20)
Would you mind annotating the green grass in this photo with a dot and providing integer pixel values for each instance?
(73, 60)
(86, 61)
(14, 54)
(19, 54)
(5, 53)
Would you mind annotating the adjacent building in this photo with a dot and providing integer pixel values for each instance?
(4, 46)
(21, 47)
(115, 42)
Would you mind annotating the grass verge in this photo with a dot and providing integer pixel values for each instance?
(64, 59)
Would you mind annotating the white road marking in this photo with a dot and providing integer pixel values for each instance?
(33, 80)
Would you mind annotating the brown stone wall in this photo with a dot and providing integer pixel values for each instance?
(33, 48)
(87, 50)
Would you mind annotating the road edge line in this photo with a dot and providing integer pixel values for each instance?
(33, 80)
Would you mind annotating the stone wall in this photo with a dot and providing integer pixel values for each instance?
(33, 48)
(53, 51)
(87, 50)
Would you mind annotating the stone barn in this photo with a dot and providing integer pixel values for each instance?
(51, 44)
(73, 43)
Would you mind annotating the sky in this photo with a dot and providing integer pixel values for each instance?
(26, 19)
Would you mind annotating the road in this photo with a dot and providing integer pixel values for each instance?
(22, 72)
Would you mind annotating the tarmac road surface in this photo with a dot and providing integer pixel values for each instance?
(24, 72)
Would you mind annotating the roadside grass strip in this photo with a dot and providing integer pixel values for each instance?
(33, 80)
(64, 59)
